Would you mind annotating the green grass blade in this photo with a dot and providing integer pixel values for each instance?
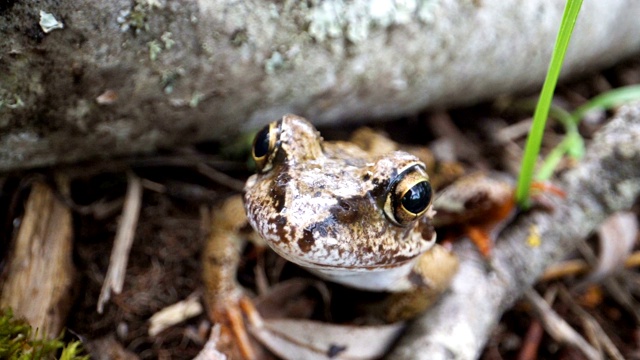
(532, 148)
(573, 144)
(607, 100)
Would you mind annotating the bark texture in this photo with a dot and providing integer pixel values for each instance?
(37, 282)
(127, 76)
(608, 180)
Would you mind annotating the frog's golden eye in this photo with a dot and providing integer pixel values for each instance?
(265, 146)
(409, 195)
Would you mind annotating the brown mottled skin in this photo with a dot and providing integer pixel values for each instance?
(322, 205)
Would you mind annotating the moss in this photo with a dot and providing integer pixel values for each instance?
(155, 49)
(17, 342)
(354, 20)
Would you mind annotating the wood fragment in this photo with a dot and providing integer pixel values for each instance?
(175, 314)
(114, 280)
(565, 269)
(513, 132)
(40, 273)
(576, 267)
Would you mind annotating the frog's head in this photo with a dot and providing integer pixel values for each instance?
(331, 206)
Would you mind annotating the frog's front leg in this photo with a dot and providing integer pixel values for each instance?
(226, 302)
(431, 275)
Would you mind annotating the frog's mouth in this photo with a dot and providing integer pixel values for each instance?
(331, 263)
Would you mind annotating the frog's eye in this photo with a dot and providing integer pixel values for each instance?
(265, 146)
(409, 195)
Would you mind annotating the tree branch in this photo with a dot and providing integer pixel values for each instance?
(607, 180)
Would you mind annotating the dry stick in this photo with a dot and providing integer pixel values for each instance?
(607, 180)
(557, 327)
(531, 344)
(622, 296)
(592, 323)
(578, 267)
(220, 177)
(123, 241)
(532, 340)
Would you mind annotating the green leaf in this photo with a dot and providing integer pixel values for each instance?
(532, 148)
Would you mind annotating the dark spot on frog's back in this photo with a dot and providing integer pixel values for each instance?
(278, 192)
(379, 187)
(322, 229)
(306, 241)
(347, 209)
(280, 222)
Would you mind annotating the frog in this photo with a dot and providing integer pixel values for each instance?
(358, 213)
(354, 217)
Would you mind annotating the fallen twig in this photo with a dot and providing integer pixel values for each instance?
(578, 267)
(114, 280)
(533, 337)
(591, 323)
(220, 177)
(557, 327)
(174, 314)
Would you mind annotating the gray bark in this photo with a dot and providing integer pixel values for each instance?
(184, 71)
(608, 180)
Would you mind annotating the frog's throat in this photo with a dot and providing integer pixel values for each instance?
(392, 279)
(388, 277)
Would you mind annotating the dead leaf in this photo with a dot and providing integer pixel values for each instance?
(305, 339)
(617, 236)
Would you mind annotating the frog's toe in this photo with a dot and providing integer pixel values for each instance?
(234, 340)
(481, 239)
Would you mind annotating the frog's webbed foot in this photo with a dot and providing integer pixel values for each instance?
(230, 314)
(481, 238)
(226, 303)
(431, 275)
